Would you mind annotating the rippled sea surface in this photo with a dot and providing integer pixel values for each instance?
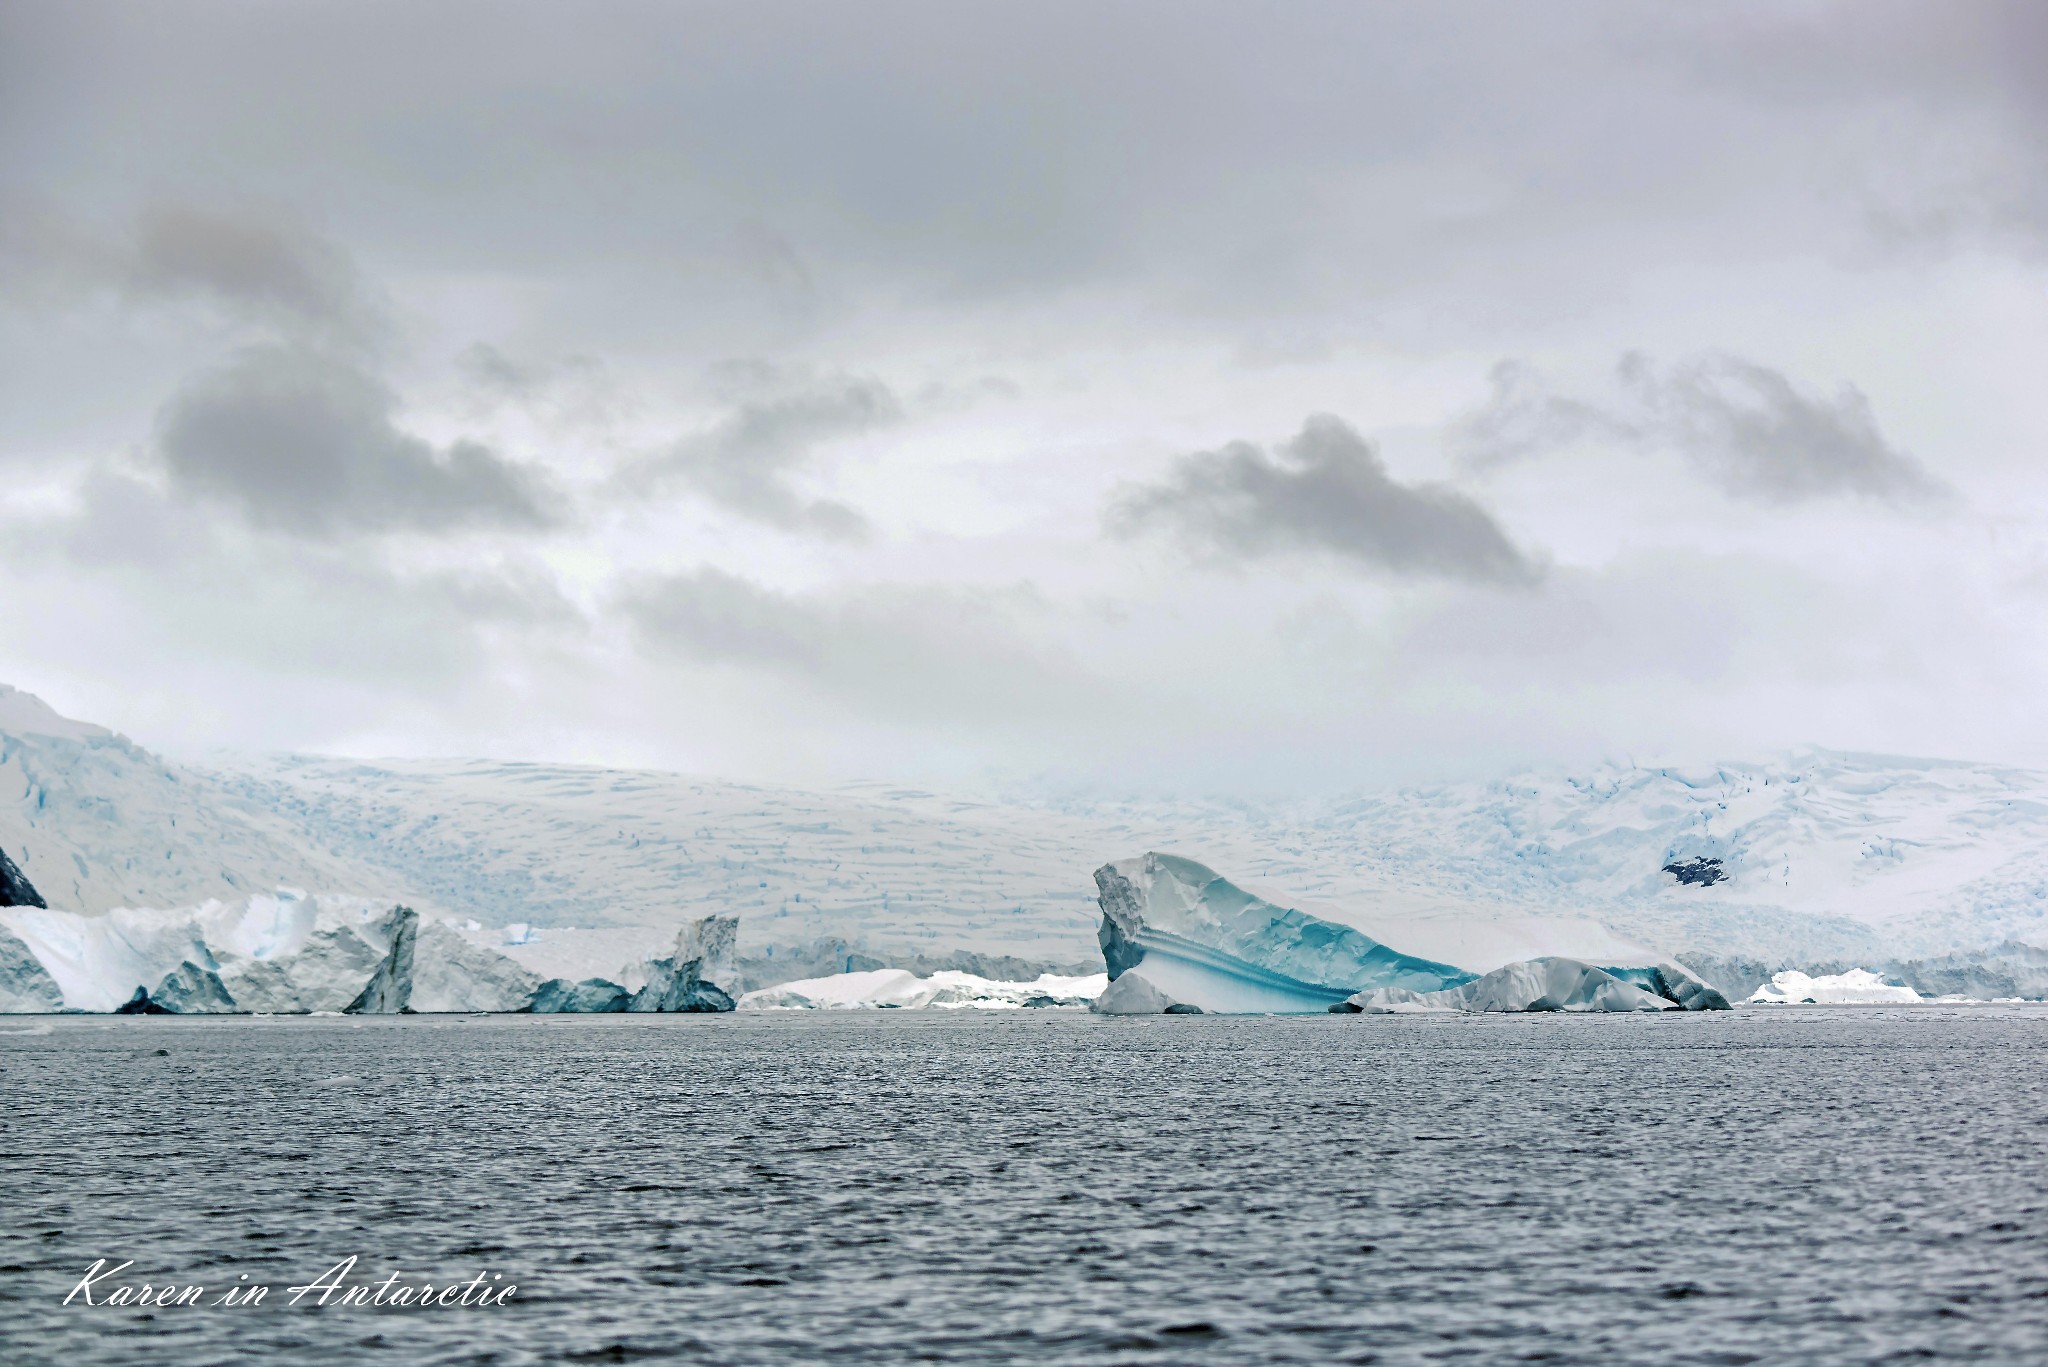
(1776, 1186)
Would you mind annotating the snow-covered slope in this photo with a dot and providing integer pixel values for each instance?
(97, 822)
(1816, 860)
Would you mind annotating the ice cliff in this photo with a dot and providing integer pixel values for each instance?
(1175, 933)
(1552, 984)
(291, 953)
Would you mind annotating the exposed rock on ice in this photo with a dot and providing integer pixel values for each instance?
(900, 988)
(15, 889)
(1856, 987)
(1701, 871)
(1188, 936)
(1553, 984)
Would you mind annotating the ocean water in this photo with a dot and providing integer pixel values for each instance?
(1768, 1186)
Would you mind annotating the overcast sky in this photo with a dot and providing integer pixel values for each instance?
(1167, 396)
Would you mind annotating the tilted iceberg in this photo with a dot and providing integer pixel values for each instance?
(1178, 937)
(1178, 934)
(292, 953)
(1552, 984)
(1857, 987)
(885, 988)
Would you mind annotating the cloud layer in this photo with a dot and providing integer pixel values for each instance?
(745, 462)
(357, 397)
(1744, 427)
(302, 441)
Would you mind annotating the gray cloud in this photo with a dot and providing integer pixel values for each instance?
(1328, 491)
(744, 461)
(268, 271)
(138, 568)
(1743, 426)
(302, 441)
(914, 653)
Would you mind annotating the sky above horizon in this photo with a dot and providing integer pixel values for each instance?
(1151, 397)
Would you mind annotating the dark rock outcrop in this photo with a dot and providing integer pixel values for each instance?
(1701, 872)
(15, 889)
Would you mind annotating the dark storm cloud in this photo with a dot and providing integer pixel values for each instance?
(744, 462)
(301, 441)
(1743, 426)
(1325, 491)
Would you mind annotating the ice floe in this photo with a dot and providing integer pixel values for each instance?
(1859, 986)
(900, 988)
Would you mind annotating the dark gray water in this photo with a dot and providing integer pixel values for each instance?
(1846, 1186)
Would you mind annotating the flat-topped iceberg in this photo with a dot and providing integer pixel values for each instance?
(1552, 984)
(1857, 987)
(900, 988)
(1178, 934)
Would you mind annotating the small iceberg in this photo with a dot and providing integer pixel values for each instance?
(899, 988)
(1551, 984)
(1857, 987)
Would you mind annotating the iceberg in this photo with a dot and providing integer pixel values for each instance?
(25, 985)
(1175, 933)
(899, 988)
(701, 975)
(1859, 986)
(289, 953)
(1551, 984)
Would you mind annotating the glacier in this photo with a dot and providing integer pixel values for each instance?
(1931, 873)
(1858, 986)
(886, 988)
